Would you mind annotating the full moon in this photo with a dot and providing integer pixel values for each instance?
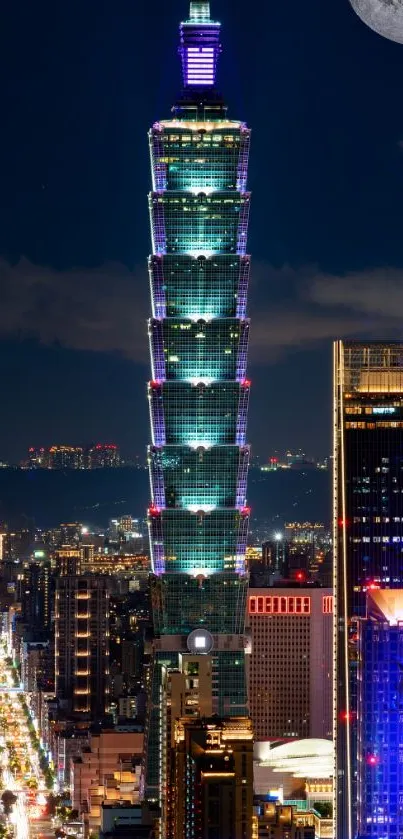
(383, 16)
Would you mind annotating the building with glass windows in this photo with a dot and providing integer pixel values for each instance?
(380, 717)
(368, 529)
(290, 666)
(198, 393)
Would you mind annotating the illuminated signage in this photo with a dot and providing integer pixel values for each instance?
(279, 605)
(383, 410)
(327, 604)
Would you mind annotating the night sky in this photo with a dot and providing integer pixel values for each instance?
(80, 83)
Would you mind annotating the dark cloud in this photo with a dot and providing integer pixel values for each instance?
(376, 292)
(100, 309)
(104, 309)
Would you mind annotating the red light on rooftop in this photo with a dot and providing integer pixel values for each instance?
(300, 575)
(372, 760)
(153, 510)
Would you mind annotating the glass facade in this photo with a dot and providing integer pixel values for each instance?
(198, 395)
(380, 719)
(368, 527)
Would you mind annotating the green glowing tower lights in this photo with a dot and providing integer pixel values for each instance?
(198, 392)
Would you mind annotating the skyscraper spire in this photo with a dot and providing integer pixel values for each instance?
(199, 47)
(199, 11)
(198, 392)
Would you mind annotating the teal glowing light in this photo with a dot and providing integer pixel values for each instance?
(198, 396)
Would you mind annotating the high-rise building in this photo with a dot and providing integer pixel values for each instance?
(36, 599)
(213, 778)
(68, 533)
(275, 556)
(37, 458)
(380, 717)
(290, 665)
(82, 645)
(68, 560)
(65, 457)
(368, 526)
(199, 393)
(102, 455)
(185, 691)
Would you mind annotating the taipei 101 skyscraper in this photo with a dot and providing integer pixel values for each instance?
(198, 395)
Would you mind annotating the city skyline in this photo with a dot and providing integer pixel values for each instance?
(60, 216)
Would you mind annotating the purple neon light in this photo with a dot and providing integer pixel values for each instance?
(241, 544)
(242, 351)
(243, 224)
(242, 477)
(157, 350)
(157, 223)
(159, 170)
(242, 416)
(157, 415)
(243, 159)
(244, 268)
(157, 479)
(199, 50)
(200, 66)
(156, 271)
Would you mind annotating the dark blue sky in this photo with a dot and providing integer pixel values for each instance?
(80, 85)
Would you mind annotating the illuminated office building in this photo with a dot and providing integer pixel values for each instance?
(35, 594)
(380, 717)
(199, 393)
(68, 560)
(290, 665)
(213, 778)
(368, 526)
(65, 457)
(102, 456)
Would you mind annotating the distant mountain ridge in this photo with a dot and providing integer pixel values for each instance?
(48, 498)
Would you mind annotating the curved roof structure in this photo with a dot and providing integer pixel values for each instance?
(310, 758)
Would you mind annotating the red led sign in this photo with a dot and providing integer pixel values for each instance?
(279, 605)
(327, 604)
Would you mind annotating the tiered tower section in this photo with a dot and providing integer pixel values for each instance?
(199, 392)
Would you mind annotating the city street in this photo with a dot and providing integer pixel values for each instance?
(20, 768)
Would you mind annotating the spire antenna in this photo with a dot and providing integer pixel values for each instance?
(199, 11)
(199, 47)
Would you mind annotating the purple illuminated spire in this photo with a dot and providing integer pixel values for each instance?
(199, 47)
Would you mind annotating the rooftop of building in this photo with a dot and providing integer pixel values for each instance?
(305, 758)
